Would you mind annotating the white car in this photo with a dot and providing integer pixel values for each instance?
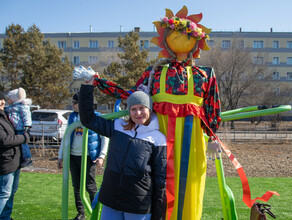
(49, 124)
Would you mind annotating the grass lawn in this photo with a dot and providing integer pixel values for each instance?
(40, 197)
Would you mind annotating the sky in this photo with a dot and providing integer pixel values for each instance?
(76, 16)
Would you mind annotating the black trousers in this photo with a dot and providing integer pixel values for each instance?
(75, 168)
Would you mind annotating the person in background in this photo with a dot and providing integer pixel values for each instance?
(19, 115)
(134, 180)
(10, 159)
(97, 148)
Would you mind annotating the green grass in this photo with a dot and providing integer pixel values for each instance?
(259, 185)
(40, 197)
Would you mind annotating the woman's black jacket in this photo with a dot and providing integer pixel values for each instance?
(135, 175)
(9, 146)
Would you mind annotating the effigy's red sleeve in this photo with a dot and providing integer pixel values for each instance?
(212, 104)
(143, 80)
(110, 88)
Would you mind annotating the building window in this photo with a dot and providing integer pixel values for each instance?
(289, 60)
(289, 44)
(225, 43)
(76, 60)
(276, 75)
(258, 60)
(144, 43)
(258, 44)
(110, 59)
(289, 75)
(93, 44)
(62, 44)
(276, 60)
(240, 44)
(111, 44)
(276, 44)
(211, 43)
(276, 91)
(76, 44)
(92, 59)
(260, 76)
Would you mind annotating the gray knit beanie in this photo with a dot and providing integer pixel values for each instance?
(139, 98)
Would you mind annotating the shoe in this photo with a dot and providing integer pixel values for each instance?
(79, 216)
(26, 163)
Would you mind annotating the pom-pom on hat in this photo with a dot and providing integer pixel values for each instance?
(17, 95)
(139, 98)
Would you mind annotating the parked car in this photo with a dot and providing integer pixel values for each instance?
(49, 124)
(34, 107)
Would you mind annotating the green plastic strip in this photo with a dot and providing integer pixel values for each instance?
(241, 113)
(231, 112)
(85, 201)
(66, 164)
(227, 198)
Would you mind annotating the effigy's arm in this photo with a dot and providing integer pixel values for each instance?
(104, 85)
(110, 88)
(212, 104)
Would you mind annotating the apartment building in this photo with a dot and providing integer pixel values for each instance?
(100, 48)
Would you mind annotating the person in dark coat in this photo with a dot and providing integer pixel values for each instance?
(10, 160)
(134, 180)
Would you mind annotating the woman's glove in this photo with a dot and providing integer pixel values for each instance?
(213, 150)
(82, 73)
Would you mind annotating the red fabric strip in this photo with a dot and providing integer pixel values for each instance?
(170, 183)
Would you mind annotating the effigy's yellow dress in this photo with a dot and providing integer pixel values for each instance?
(196, 170)
(180, 119)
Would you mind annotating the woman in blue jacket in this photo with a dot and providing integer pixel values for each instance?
(133, 186)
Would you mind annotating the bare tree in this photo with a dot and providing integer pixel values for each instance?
(269, 91)
(236, 72)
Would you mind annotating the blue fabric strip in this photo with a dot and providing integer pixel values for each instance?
(184, 163)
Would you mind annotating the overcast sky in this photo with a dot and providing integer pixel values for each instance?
(109, 15)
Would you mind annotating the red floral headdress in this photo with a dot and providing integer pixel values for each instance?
(187, 25)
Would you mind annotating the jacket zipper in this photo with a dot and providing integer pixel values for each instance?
(123, 166)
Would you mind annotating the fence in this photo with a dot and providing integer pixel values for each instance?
(247, 131)
(240, 131)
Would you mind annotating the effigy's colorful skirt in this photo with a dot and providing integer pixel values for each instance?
(189, 173)
(180, 121)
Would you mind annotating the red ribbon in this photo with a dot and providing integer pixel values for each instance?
(170, 183)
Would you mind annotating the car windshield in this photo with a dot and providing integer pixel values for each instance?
(41, 116)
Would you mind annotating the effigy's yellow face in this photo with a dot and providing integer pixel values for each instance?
(180, 43)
